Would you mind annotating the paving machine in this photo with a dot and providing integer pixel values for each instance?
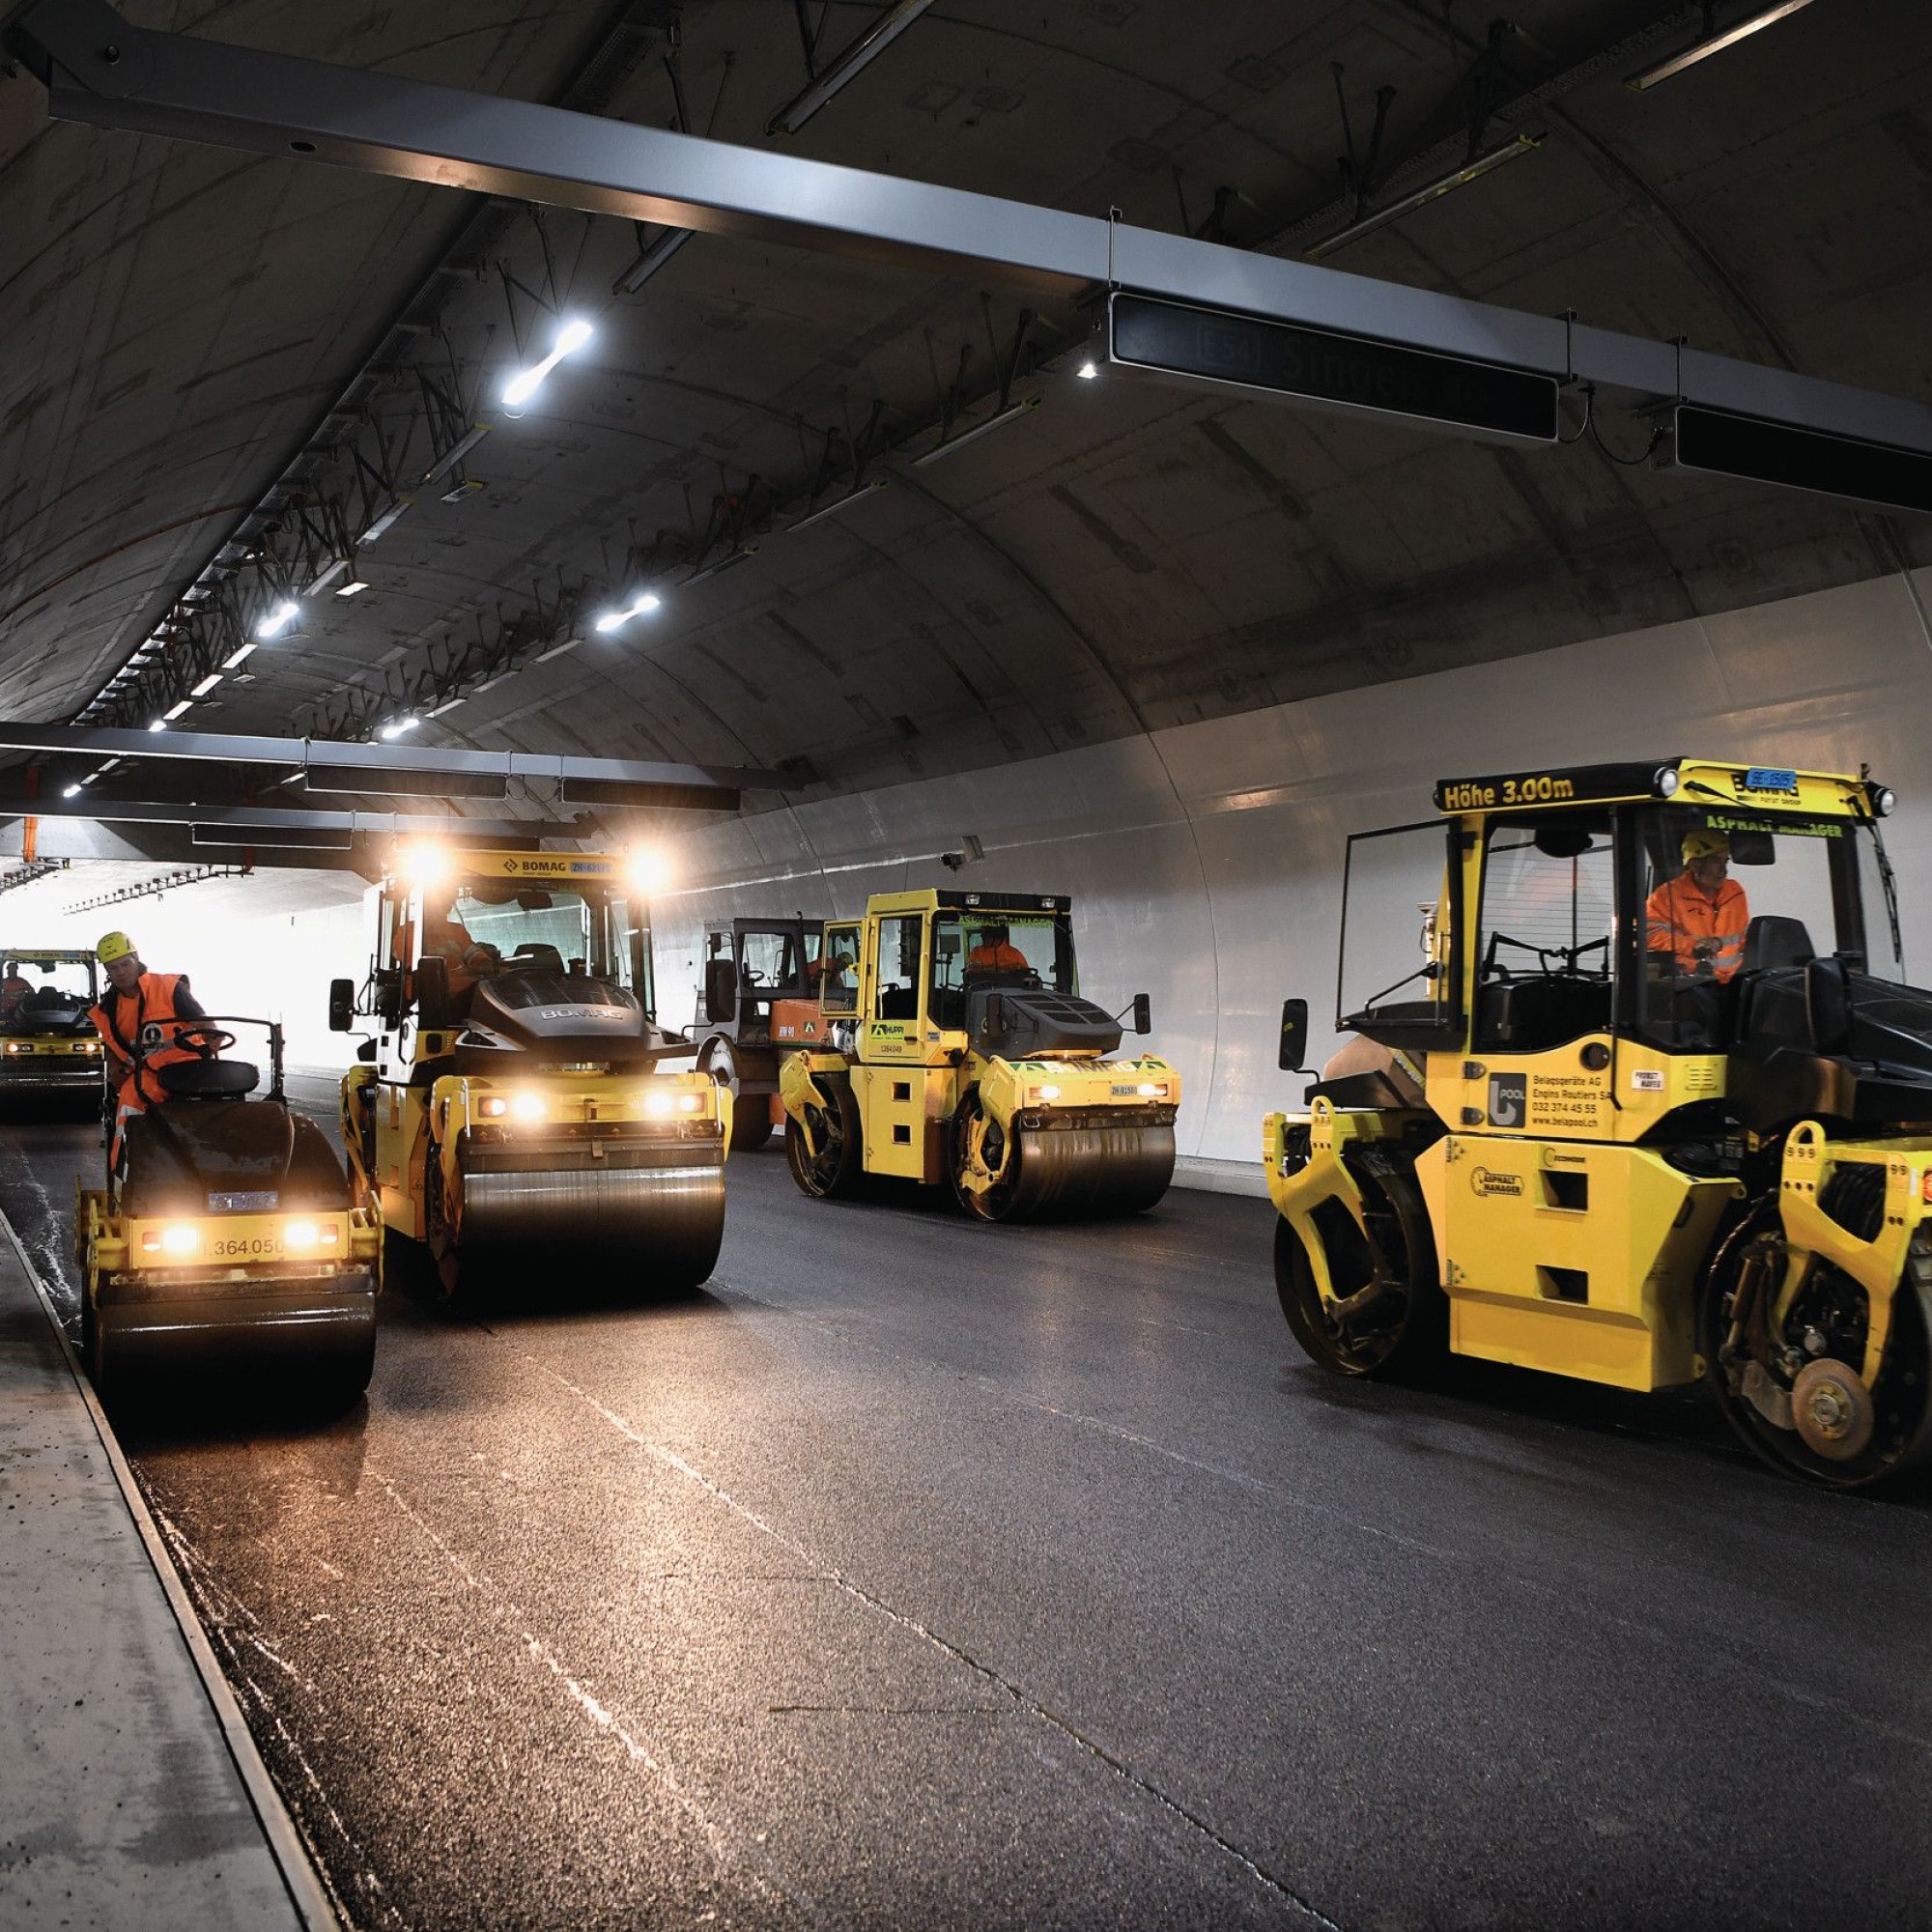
(758, 1000)
(226, 1239)
(1655, 1104)
(514, 1111)
(48, 1049)
(956, 1049)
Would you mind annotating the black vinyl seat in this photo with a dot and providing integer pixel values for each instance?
(206, 1079)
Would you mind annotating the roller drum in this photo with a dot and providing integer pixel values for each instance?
(642, 1229)
(1089, 1172)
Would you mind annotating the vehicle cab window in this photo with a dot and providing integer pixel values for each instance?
(1546, 939)
(896, 996)
(977, 949)
(839, 976)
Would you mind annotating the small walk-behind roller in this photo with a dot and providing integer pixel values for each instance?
(954, 1049)
(226, 1242)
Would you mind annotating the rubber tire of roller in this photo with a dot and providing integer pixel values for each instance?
(751, 1117)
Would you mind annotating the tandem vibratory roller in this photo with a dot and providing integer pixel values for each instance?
(514, 1111)
(954, 1047)
(1653, 1104)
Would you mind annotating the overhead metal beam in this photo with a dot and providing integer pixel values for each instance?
(280, 818)
(100, 70)
(642, 782)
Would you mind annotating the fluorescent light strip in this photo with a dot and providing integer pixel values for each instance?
(1701, 50)
(650, 261)
(556, 650)
(453, 455)
(207, 685)
(1013, 414)
(239, 655)
(837, 503)
(847, 67)
(1458, 177)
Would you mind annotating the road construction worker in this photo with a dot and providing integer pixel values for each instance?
(993, 951)
(13, 989)
(142, 1014)
(1700, 917)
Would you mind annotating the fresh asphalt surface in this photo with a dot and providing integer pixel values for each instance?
(920, 1574)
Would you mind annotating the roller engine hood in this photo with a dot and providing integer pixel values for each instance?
(559, 1018)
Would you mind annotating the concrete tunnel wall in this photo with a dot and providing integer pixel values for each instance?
(1206, 860)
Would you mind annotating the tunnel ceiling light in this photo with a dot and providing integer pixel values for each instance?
(1088, 370)
(1013, 413)
(839, 503)
(327, 575)
(649, 261)
(615, 620)
(1712, 43)
(448, 704)
(355, 587)
(380, 525)
(454, 454)
(239, 655)
(180, 710)
(280, 618)
(207, 685)
(158, 723)
(1474, 169)
(847, 67)
(397, 726)
(70, 791)
(525, 382)
(556, 650)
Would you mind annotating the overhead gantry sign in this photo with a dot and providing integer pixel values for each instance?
(1740, 418)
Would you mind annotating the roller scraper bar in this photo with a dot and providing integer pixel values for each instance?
(100, 70)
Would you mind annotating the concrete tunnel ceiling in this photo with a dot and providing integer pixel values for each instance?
(181, 321)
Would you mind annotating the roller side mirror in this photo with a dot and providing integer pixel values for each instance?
(341, 1004)
(432, 993)
(1294, 1036)
(1143, 1013)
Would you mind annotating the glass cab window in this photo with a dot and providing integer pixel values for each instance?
(776, 960)
(1728, 895)
(896, 997)
(1398, 923)
(839, 980)
(1546, 938)
(974, 949)
(502, 929)
(45, 990)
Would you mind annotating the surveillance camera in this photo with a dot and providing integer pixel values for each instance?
(952, 860)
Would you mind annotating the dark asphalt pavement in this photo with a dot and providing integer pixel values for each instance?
(925, 1574)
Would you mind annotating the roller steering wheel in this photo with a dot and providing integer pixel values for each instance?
(204, 1041)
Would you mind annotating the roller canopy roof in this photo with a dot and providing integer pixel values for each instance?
(215, 359)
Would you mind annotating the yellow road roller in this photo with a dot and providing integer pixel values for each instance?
(49, 1052)
(513, 1110)
(1654, 1103)
(226, 1240)
(957, 1050)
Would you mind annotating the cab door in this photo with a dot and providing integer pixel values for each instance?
(891, 1082)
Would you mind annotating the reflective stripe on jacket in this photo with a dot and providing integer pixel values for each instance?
(1680, 917)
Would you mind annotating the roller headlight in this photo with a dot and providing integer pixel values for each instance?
(1154, 1090)
(1666, 781)
(1885, 800)
(18, 1046)
(690, 1104)
(301, 1234)
(527, 1107)
(1046, 1092)
(658, 1103)
(179, 1237)
(491, 1107)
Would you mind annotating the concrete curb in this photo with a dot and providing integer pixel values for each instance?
(308, 1892)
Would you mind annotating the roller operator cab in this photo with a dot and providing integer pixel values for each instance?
(956, 1049)
(1652, 1101)
(50, 1052)
(758, 1002)
(516, 1109)
(227, 1242)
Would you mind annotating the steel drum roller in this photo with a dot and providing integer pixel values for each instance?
(1077, 1173)
(659, 1227)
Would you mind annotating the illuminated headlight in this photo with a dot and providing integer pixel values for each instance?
(1884, 801)
(18, 1046)
(690, 1104)
(492, 1107)
(1046, 1092)
(1154, 1090)
(89, 1046)
(658, 1104)
(182, 1238)
(1666, 781)
(301, 1234)
(527, 1107)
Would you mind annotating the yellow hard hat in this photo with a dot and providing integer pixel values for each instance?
(1705, 846)
(113, 946)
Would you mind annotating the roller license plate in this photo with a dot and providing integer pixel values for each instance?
(244, 1248)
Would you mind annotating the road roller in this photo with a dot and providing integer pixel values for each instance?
(514, 1109)
(955, 1050)
(1653, 1107)
(226, 1242)
(49, 1052)
(758, 1001)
